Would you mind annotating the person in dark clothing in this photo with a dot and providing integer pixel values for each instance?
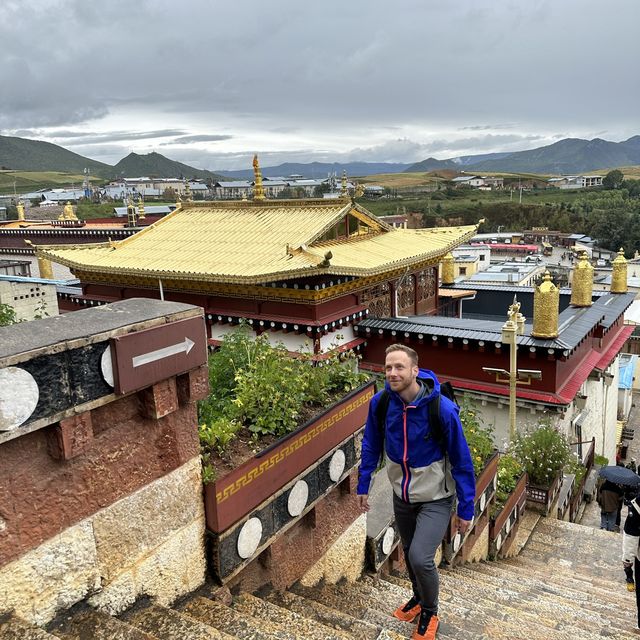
(610, 501)
(425, 474)
(630, 549)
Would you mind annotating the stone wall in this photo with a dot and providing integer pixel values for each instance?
(29, 299)
(100, 500)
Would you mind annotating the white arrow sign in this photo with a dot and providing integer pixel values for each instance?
(165, 352)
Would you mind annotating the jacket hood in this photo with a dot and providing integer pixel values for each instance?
(425, 377)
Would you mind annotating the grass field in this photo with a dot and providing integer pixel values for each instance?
(34, 180)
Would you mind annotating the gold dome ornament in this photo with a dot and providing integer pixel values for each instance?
(619, 276)
(582, 286)
(258, 190)
(546, 305)
(448, 271)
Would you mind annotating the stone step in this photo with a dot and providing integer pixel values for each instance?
(580, 610)
(14, 628)
(168, 624)
(235, 623)
(372, 605)
(573, 585)
(302, 627)
(508, 605)
(88, 623)
(577, 551)
(327, 615)
(561, 570)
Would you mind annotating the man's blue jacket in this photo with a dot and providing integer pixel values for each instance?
(417, 467)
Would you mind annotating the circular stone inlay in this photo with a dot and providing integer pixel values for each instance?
(483, 501)
(106, 366)
(336, 466)
(249, 538)
(19, 395)
(457, 541)
(387, 540)
(298, 498)
(499, 541)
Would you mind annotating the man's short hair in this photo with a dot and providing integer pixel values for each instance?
(401, 347)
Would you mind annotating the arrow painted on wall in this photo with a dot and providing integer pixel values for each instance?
(165, 352)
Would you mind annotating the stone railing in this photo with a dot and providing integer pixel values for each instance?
(542, 498)
(261, 499)
(101, 475)
(505, 524)
(455, 543)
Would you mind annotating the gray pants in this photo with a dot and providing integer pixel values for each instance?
(422, 527)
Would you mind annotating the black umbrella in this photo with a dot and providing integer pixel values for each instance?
(620, 475)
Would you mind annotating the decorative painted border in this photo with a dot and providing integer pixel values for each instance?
(229, 499)
(485, 491)
(239, 545)
(503, 527)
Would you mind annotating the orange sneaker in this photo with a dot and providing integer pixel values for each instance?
(427, 627)
(409, 611)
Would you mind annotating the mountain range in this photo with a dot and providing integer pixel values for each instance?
(567, 156)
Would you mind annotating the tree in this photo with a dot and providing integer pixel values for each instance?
(613, 179)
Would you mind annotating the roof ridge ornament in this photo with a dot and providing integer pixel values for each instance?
(258, 191)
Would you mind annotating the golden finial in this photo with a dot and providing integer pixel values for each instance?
(140, 208)
(546, 303)
(20, 208)
(582, 286)
(619, 276)
(359, 191)
(448, 270)
(187, 191)
(344, 192)
(67, 212)
(45, 268)
(258, 191)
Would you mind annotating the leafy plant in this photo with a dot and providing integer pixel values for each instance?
(264, 389)
(576, 467)
(601, 461)
(543, 452)
(7, 315)
(479, 437)
(509, 471)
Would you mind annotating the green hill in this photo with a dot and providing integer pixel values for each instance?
(155, 165)
(35, 155)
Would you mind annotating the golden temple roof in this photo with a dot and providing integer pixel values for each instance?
(258, 242)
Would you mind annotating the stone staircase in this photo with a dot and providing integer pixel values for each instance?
(567, 584)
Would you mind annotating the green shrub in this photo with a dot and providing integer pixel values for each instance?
(543, 453)
(264, 389)
(509, 471)
(576, 467)
(601, 461)
(479, 437)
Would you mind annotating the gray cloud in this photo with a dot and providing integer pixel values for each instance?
(198, 138)
(332, 75)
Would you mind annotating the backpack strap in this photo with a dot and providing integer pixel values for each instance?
(381, 420)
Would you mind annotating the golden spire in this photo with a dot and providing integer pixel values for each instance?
(582, 286)
(258, 191)
(45, 268)
(67, 212)
(344, 192)
(448, 271)
(187, 191)
(20, 208)
(619, 276)
(546, 302)
(140, 208)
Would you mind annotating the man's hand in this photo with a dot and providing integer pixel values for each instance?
(363, 502)
(461, 525)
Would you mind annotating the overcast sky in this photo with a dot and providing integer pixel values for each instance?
(210, 83)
